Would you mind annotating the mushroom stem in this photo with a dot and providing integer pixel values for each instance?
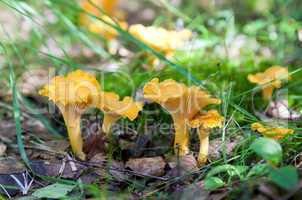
(108, 121)
(73, 124)
(181, 142)
(204, 145)
(267, 92)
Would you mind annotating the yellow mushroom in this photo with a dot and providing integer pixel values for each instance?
(205, 122)
(271, 132)
(106, 30)
(160, 39)
(114, 109)
(182, 103)
(95, 7)
(97, 26)
(73, 94)
(270, 79)
(110, 6)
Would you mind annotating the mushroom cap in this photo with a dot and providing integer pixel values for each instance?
(78, 88)
(208, 120)
(177, 97)
(162, 92)
(111, 104)
(169, 94)
(273, 74)
(160, 39)
(198, 99)
(107, 5)
(272, 132)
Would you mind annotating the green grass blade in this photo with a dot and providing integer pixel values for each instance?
(17, 117)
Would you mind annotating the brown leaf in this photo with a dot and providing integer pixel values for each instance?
(116, 170)
(269, 190)
(94, 144)
(183, 165)
(2, 149)
(57, 145)
(57, 168)
(11, 166)
(147, 166)
(32, 80)
(195, 192)
(98, 159)
(216, 147)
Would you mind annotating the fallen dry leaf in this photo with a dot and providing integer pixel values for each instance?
(11, 166)
(182, 165)
(2, 149)
(57, 168)
(94, 144)
(98, 159)
(116, 170)
(194, 191)
(216, 147)
(280, 110)
(32, 80)
(57, 145)
(269, 190)
(153, 166)
(103, 167)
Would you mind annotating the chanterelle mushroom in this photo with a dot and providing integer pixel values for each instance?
(106, 30)
(205, 122)
(270, 79)
(271, 132)
(97, 26)
(114, 109)
(73, 94)
(182, 102)
(160, 39)
(94, 7)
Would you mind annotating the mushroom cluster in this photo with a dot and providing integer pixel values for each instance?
(184, 105)
(270, 79)
(78, 91)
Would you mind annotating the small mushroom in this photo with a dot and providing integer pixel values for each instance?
(73, 94)
(205, 122)
(160, 39)
(270, 79)
(271, 132)
(182, 102)
(97, 26)
(114, 109)
(106, 30)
